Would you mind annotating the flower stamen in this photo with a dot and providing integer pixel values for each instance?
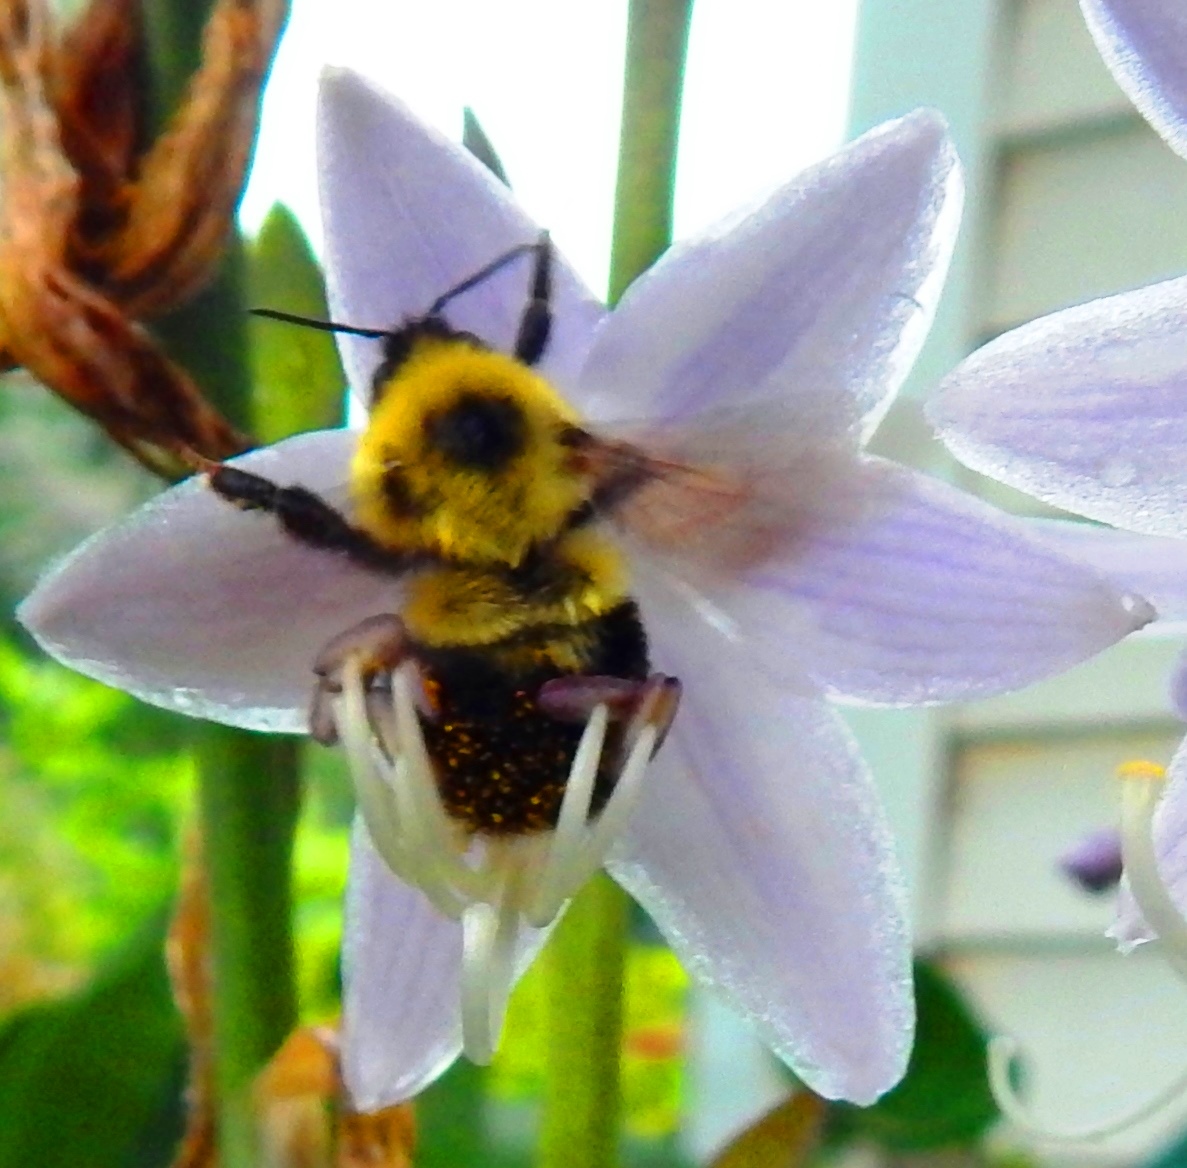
(1141, 790)
(495, 886)
(1140, 793)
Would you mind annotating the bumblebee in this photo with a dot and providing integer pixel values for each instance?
(477, 486)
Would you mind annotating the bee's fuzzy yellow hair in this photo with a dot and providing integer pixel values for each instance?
(470, 515)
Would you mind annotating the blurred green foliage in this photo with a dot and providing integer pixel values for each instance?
(61, 480)
(92, 787)
(944, 1098)
(95, 1077)
(475, 140)
(299, 381)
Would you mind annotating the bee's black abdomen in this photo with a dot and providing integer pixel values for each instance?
(502, 763)
(622, 645)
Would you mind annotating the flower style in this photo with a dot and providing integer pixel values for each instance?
(770, 344)
(1086, 409)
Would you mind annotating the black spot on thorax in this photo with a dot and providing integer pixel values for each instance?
(478, 432)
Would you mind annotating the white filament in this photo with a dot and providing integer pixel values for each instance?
(569, 867)
(523, 881)
(1003, 1051)
(1139, 799)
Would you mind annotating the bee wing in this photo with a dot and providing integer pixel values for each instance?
(880, 583)
(720, 495)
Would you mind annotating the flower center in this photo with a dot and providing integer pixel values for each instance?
(497, 886)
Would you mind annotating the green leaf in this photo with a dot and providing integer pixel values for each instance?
(944, 1098)
(1174, 1155)
(299, 382)
(475, 140)
(95, 1078)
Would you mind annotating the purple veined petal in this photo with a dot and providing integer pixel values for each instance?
(196, 606)
(761, 850)
(401, 1014)
(1153, 566)
(819, 297)
(407, 216)
(1144, 44)
(1086, 408)
(1170, 841)
(891, 587)
(401, 967)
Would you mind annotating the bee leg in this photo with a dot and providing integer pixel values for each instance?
(574, 698)
(376, 646)
(305, 516)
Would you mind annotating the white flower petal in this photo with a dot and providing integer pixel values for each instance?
(820, 297)
(1086, 408)
(760, 849)
(401, 965)
(1152, 566)
(196, 606)
(1144, 43)
(407, 216)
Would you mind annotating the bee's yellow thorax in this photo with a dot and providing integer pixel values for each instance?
(409, 495)
(584, 578)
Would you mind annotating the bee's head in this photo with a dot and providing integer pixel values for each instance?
(467, 454)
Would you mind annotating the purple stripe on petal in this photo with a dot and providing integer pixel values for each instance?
(892, 587)
(401, 1022)
(821, 295)
(1177, 687)
(1086, 409)
(761, 851)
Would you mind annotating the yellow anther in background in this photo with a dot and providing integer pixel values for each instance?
(1141, 768)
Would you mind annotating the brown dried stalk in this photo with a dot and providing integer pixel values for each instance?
(304, 1118)
(100, 229)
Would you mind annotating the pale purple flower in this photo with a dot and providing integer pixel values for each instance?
(772, 342)
(1087, 408)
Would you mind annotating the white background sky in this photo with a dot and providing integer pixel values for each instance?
(766, 94)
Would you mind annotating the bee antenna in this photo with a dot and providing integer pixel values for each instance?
(326, 326)
(541, 245)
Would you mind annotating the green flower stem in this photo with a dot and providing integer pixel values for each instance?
(585, 961)
(584, 967)
(249, 785)
(249, 797)
(657, 43)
